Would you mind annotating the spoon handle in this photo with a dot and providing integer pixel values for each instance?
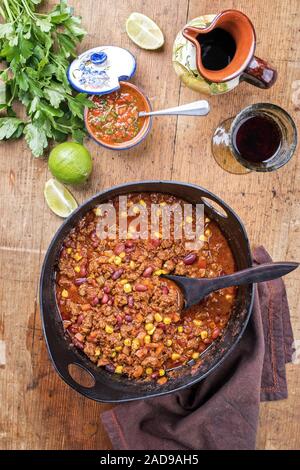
(197, 108)
(261, 273)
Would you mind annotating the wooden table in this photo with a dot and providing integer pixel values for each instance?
(38, 411)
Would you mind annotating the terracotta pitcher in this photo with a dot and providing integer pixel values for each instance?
(244, 65)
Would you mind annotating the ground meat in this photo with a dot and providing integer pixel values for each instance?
(118, 309)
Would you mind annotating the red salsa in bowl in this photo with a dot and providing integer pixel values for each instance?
(114, 122)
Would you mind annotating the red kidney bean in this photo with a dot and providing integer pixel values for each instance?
(155, 242)
(117, 274)
(190, 259)
(215, 333)
(77, 343)
(95, 301)
(162, 326)
(128, 318)
(207, 341)
(154, 375)
(141, 288)
(83, 271)
(110, 368)
(95, 244)
(68, 243)
(119, 319)
(111, 301)
(129, 244)
(80, 319)
(165, 290)
(119, 248)
(73, 329)
(148, 272)
(80, 280)
(106, 289)
(130, 301)
(105, 299)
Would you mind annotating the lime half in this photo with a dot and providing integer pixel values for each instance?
(59, 198)
(144, 32)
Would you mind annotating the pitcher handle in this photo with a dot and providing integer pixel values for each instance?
(259, 73)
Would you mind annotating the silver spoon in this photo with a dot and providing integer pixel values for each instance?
(195, 289)
(197, 108)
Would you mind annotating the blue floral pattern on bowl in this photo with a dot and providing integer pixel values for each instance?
(99, 70)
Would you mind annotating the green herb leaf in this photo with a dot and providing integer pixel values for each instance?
(36, 139)
(8, 126)
(44, 24)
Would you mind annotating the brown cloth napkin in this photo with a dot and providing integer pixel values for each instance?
(221, 412)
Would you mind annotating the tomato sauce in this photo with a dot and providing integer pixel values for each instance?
(115, 119)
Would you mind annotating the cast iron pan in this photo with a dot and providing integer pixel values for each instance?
(111, 388)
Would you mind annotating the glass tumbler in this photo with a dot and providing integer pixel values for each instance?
(226, 154)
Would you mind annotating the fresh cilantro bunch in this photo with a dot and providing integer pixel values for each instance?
(36, 49)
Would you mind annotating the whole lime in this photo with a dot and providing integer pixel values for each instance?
(70, 163)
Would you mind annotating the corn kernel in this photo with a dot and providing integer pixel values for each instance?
(117, 260)
(161, 372)
(142, 203)
(167, 320)
(150, 332)
(197, 322)
(204, 334)
(127, 342)
(149, 370)
(207, 220)
(77, 257)
(159, 272)
(119, 370)
(189, 219)
(203, 238)
(122, 255)
(98, 211)
(127, 288)
(123, 282)
(118, 348)
(147, 339)
(69, 251)
(158, 317)
(136, 210)
(135, 344)
(113, 354)
(180, 329)
(169, 342)
(175, 356)
(65, 294)
(97, 352)
(111, 259)
(132, 265)
(149, 326)
(109, 329)
(195, 355)
(77, 269)
(207, 232)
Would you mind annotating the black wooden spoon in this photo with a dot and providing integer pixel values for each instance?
(195, 289)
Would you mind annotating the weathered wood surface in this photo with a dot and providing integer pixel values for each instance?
(38, 411)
